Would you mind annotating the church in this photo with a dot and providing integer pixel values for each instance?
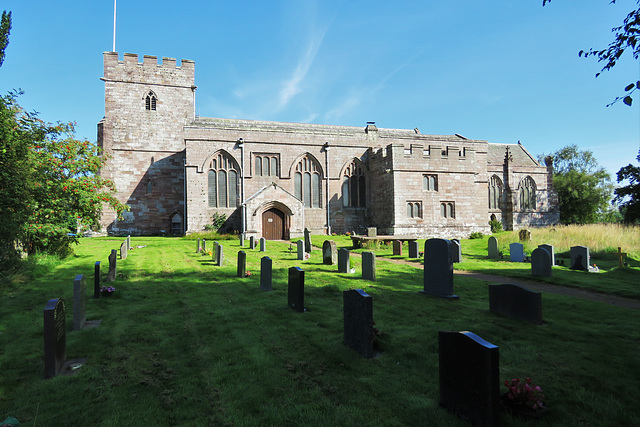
(176, 170)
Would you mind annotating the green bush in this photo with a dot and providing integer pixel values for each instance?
(476, 235)
(496, 226)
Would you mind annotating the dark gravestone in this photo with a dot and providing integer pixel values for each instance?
(113, 262)
(307, 241)
(252, 242)
(457, 250)
(219, 255)
(263, 244)
(369, 266)
(493, 248)
(329, 252)
(469, 377)
(580, 258)
(358, 321)
(541, 263)
(96, 280)
(516, 252)
(241, 240)
(397, 247)
(79, 302)
(552, 252)
(55, 337)
(516, 302)
(300, 250)
(296, 289)
(266, 273)
(344, 263)
(124, 250)
(414, 249)
(438, 268)
(242, 264)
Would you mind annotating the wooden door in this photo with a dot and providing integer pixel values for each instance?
(273, 224)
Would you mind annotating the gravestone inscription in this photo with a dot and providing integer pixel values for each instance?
(493, 248)
(516, 302)
(369, 266)
(438, 268)
(580, 258)
(55, 338)
(295, 290)
(329, 252)
(344, 263)
(541, 263)
(266, 276)
(358, 321)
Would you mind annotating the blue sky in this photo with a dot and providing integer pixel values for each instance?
(500, 70)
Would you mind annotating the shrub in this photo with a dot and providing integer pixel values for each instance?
(476, 235)
(496, 226)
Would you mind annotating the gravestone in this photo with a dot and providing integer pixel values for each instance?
(123, 250)
(296, 289)
(516, 302)
(358, 321)
(397, 247)
(242, 264)
(552, 252)
(541, 263)
(369, 266)
(113, 261)
(307, 241)
(129, 241)
(198, 246)
(580, 258)
(524, 235)
(219, 255)
(469, 377)
(55, 338)
(344, 263)
(252, 242)
(329, 252)
(372, 231)
(457, 250)
(493, 248)
(96, 280)
(266, 276)
(263, 244)
(438, 268)
(300, 249)
(414, 249)
(79, 302)
(241, 240)
(204, 246)
(516, 252)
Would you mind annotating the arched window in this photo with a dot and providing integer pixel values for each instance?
(430, 182)
(354, 186)
(527, 194)
(223, 181)
(447, 210)
(414, 210)
(176, 224)
(495, 193)
(150, 101)
(306, 182)
(266, 165)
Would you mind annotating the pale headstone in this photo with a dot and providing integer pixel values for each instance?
(329, 252)
(204, 246)
(552, 252)
(580, 258)
(438, 268)
(113, 261)
(369, 266)
(242, 264)
(493, 248)
(541, 263)
(219, 255)
(358, 322)
(55, 337)
(516, 252)
(79, 302)
(457, 250)
(397, 247)
(263, 244)
(266, 276)
(414, 249)
(123, 250)
(307, 241)
(296, 289)
(198, 246)
(516, 302)
(300, 250)
(241, 240)
(344, 263)
(129, 241)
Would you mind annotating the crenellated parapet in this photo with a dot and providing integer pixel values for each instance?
(149, 71)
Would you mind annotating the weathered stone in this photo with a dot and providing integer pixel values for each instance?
(541, 263)
(55, 337)
(329, 252)
(307, 241)
(369, 266)
(242, 264)
(79, 302)
(124, 250)
(516, 302)
(96, 280)
(358, 322)
(300, 250)
(397, 247)
(113, 261)
(372, 231)
(438, 268)
(493, 248)
(344, 263)
(219, 255)
(414, 249)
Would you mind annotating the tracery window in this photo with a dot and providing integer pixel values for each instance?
(150, 101)
(495, 193)
(354, 186)
(527, 194)
(306, 182)
(223, 181)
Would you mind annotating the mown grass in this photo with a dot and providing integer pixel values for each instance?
(183, 342)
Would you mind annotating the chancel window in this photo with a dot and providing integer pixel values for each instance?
(495, 193)
(150, 101)
(527, 194)
(354, 186)
(223, 178)
(306, 182)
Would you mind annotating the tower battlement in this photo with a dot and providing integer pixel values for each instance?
(149, 71)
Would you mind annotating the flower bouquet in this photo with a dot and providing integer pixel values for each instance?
(524, 398)
(107, 291)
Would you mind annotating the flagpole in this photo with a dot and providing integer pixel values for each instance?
(114, 26)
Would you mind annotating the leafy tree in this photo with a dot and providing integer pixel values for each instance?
(5, 29)
(584, 188)
(629, 195)
(627, 36)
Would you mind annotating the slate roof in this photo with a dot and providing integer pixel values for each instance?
(521, 157)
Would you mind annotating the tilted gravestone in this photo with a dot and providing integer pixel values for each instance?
(438, 268)
(580, 258)
(516, 302)
(541, 263)
(55, 338)
(369, 266)
(96, 280)
(329, 252)
(307, 241)
(266, 276)
(296, 289)
(113, 262)
(457, 250)
(397, 247)
(79, 302)
(242, 264)
(552, 252)
(414, 249)
(493, 248)
(516, 252)
(124, 250)
(219, 255)
(469, 377)
(263, 244)
(300, 250)
(358, 322)
(344, 263)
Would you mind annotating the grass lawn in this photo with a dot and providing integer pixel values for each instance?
(184, 342)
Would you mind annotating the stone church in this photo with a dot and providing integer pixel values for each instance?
(176, 170)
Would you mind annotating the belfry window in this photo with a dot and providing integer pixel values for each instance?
(150, 101)
(306, 182)
(223, 181)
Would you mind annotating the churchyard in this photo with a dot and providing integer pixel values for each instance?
(184, 340)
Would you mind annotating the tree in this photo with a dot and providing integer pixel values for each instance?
(584, 188)
(629, 195)
(5, 29)
(627, 36)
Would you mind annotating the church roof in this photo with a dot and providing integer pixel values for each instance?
(521, 157)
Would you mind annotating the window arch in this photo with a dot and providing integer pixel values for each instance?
(495, 193)
(414, 210)
(150, 101)
(354, 186)
(447, 210)
(306, 182)
(266, 165)
(223, 181)
(527, 194)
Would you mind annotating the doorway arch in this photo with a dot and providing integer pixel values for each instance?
(274, 224)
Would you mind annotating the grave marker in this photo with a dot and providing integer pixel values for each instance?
(241, 240)
(242, 264)
(129, 241)
(219, 255)
(113, 261)
(438, 268)
(329, 252)
(369, 266)
(55, 338)
(414, 249)
(372, 231)
(204, 245)
(263, 244)
(300, 249)
(541, 262)
(198, 246)
(493, 248)
(96, 280)
(296, 289)
(123, 250)
(307, 241)
(266, 273)
(580, 258)
(516, 302)
(552, 252)
(457, 250)
(344, 263)
(620, 255)
(79, 302)
(358, 322)
(252, 242)
(397, 247)
(516, 252)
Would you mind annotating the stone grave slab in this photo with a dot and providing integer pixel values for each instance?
(242, 264)
(371, 231)
(113, 266)
(397, 247)
(266, 276)
(344, 263)
(358, 321)
(263, 244)
(541, 264)
(55, 337)
(329, 252)
(457, 250)
(369, 266)
(552, 252)
(307, 241)
(124, 250)
(580, 258)
(252, 242)
(516, 302)
(219, 255)
(414, 249)
(96, 280)
(516, 252)
(493, 248)
(79, 302)
(295, 290)
(438, 268)
(300, 250)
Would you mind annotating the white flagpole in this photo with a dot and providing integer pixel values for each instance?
(114, 26)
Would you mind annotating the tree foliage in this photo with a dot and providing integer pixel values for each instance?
(584, 188)
(629, 195)
(626, 36)
(5, 29)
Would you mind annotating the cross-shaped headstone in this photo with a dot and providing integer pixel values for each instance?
(620, 255)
